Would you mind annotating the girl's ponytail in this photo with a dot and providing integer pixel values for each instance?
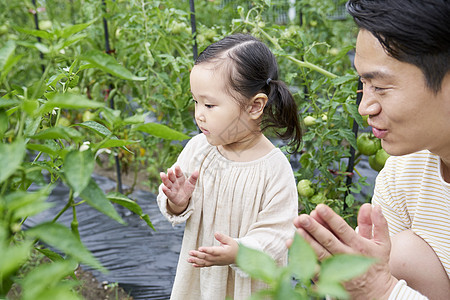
(281, 113)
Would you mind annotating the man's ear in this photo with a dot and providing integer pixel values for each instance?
(256, 107)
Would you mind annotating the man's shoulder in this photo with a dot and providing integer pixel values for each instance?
(416, 158)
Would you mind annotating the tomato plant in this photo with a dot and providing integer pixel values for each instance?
(64, 101)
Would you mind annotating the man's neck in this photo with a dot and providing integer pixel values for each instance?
(445, 167)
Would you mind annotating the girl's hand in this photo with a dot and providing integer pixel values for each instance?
(177, 189)
(222, 255)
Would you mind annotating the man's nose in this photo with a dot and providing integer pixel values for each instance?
(369, 104)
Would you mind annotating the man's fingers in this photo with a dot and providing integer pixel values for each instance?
(365, 221)
(380, 226)
(320, 238)
(320, 251)
(338, 226)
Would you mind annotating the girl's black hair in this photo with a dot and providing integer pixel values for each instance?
(412, 31)
(253, 70)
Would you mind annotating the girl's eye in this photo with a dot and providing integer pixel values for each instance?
(195, 101)
(209, 105)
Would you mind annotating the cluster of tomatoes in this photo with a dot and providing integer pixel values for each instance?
(369, 145)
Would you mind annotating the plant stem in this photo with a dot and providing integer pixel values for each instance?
(66, 207)
(311, 66)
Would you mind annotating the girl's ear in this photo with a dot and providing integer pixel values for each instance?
(256, 107)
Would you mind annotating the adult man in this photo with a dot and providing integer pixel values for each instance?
(403, 58)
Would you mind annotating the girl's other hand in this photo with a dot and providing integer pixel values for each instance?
(222, 255)
(177, 189)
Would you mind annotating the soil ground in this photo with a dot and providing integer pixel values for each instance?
(91, 289)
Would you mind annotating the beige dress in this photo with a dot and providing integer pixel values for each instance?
(253, 202)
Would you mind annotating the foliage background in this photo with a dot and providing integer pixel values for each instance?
(61, 93)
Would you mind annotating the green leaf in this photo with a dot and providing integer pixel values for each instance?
(161, 131)
(349, 136)
(53, 256)
(9, 65)
(109, 65)
(302, 259)
(96, 127)
(344, 79)
(129, 204)
(70, 41)
(60, 237)
(58, 132)
(13, 256)
(350, 200)
(6, 53)
(332, 289)
(257, 264)
(45, 277)
(4, 123)
(31, 125)
(52, 151)
(343, 267)
(26, 204)
(11, 156)
(37, 33)
(6, 103)
(96, 198)
(78, 167)
(116, 143)
(70, 30)
(69, 101)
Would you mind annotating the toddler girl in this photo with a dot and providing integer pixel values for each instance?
(230, 184)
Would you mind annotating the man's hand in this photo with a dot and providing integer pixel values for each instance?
(222, 255)
(329, 234)
(177, 189)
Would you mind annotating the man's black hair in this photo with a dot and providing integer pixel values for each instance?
(411, 31)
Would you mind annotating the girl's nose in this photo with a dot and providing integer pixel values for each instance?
(369, 104)
(199, 116)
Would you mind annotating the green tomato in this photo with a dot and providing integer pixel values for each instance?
(334, 51)
(63, 121)
(366, 145)
(378, 160)
(318, 198)
(87, 116)
(373, 164)
(309, 121)
(45, 24)
(381, 156)
(304, 188)
(178, 28)
(3, 29)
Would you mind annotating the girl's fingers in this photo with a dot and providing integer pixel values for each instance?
(171, 175)
(165, 180)
(193, 178)
(178, 172)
